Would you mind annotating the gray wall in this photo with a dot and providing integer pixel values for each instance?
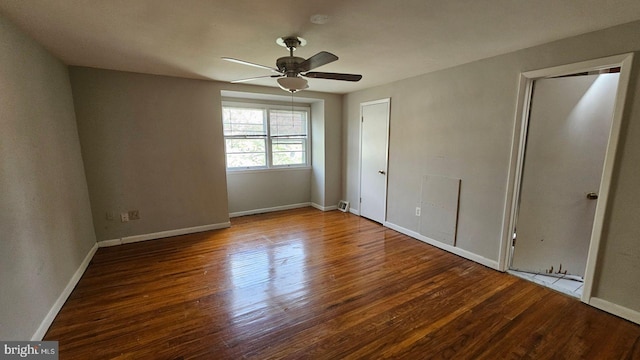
(255, 190)
(333, 150)
(327, 151)
(459, 123)
(45, 217)
(317, 153)
(153, 144)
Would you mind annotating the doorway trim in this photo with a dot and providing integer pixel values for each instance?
(386, 159)
(516, 162)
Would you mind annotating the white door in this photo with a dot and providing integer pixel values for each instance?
(569, 127)
(373, 159)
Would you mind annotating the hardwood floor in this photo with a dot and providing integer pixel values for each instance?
(320, 285)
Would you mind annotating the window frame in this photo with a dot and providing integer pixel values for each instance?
(266, 107)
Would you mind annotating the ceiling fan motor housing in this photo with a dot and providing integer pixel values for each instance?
(289, 65)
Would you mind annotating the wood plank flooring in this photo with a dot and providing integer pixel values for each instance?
(320, 285)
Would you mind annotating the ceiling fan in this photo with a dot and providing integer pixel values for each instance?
(291, 69)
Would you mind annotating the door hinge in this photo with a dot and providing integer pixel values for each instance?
(360, 199)
(362, 119)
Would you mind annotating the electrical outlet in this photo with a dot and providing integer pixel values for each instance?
(417, 211)
(124, 217)
(134, 215)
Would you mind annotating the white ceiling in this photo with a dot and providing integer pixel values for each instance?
(383, 40)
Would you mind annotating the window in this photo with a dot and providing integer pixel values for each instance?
(265, 136)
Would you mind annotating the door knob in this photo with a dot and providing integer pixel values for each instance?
(381, 172)
(592, 196)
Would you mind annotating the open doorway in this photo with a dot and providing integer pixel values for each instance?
(569, 123)
(570, 117)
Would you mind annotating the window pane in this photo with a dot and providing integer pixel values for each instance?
(241, 121)
(287, 123)
(288, 151)
(245, 152)
(247, 127)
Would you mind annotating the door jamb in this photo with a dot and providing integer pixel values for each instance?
(386, 159)
(517, 157)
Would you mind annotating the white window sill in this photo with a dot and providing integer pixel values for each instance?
(263, 170)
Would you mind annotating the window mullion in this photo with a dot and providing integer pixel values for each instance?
(267, 114)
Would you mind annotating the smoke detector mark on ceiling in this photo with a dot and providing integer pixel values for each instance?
(319, 19)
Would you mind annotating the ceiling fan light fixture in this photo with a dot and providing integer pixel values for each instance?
(293, 84)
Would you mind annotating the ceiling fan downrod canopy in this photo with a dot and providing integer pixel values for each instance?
(291, 43)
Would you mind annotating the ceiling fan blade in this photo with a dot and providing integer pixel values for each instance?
(319, 59)
(237, 61)
(333, 76)
(255, 78)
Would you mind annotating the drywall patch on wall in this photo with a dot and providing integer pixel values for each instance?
(439, 208)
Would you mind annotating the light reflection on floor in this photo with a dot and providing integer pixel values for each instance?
(267, 276)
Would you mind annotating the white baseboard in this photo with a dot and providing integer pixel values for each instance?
(452, 249)
(270, 209)
(324, 208)
(177, 232)
(354, 211)
(107, 243)
(53, 312)
(615, 309)
(162, 234)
